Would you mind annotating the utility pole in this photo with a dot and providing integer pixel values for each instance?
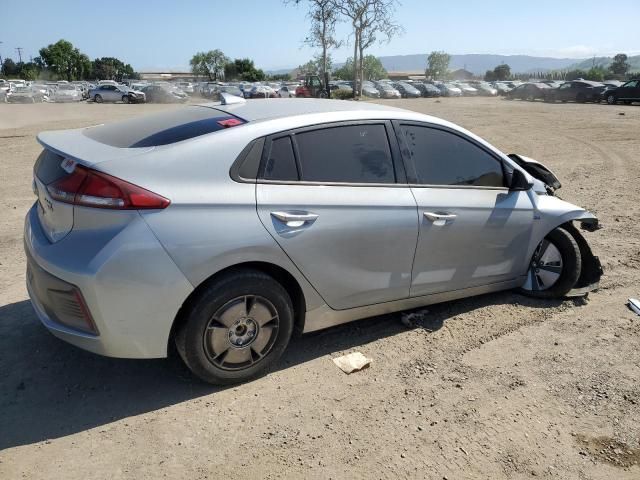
(1, 64)
(19, 50)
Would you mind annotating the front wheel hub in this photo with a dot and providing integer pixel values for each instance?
(243, 332)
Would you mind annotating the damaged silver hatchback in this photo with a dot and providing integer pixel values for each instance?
(223, 228)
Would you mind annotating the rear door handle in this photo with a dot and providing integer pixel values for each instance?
(434, 217)
(295, 219)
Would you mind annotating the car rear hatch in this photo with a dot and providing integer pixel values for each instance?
(75, 156)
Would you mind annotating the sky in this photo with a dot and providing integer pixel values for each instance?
(164, 34)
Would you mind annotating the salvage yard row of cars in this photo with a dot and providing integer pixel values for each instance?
(581, 91)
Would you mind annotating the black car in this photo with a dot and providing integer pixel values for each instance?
(407, 90)
(580, 91)
(626, 93)
(529, 91)
(426, 89)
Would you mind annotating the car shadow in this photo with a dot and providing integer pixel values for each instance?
(50, 389)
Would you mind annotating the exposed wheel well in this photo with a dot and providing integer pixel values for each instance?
(283, 277)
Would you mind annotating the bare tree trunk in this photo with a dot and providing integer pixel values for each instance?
(361, 70)
(355, 61)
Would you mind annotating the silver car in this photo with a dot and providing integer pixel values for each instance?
(116, 93)
(224, 228)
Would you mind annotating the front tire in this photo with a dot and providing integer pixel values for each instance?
(97, 99)
(125, 99)
(555, 267)
(611, 99)
(236, 328)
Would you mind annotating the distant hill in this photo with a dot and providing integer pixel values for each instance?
(479, 63)
(605, 62)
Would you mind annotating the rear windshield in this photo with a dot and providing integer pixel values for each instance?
(163, 128)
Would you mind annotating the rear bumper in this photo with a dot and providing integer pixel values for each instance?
(131, 287)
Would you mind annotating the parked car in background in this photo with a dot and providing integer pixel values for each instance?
(370, 90)
(407, 90)
(230, 89)
(25, 94)
(627, 93)
(186, 87)
(449, 89)
(484, 88)
(66, 92)
(387, 90)
(501, 88)
(580, 91)
(108, 92)
(262, 91)
(132, 249)
(287, 91)
(467, 90)
(163, 94)
(529, 91)
(426, 89)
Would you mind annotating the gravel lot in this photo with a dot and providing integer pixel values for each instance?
(498, 386)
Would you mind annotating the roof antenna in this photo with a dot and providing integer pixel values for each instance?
(228, 99)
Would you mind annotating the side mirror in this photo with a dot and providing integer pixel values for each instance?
(519, 181)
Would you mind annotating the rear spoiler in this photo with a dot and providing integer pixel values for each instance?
(75, 145)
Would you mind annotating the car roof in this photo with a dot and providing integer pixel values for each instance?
(284, 107)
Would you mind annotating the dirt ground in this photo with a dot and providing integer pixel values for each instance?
(497, 386)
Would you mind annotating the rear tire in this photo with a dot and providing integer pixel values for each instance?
(555, 267)
(611, 99)
(97, 99)
(125, 99)
(236, 328)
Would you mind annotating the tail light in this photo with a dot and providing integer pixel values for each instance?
(70, 309)
(91, 188)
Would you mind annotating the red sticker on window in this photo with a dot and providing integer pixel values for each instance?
(230, 122)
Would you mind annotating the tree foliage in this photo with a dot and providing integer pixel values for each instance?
(619, 65)
(110, 68)
(501, 72)
(9, 67)
(209, 64)
(373, 69)
(322, 34)
(243, 69)
(315, 66)
(66, 61)
(437, 65)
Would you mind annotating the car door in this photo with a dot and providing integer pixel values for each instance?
(630, 91)
(334, 197)
(564, 91)
(473, 230)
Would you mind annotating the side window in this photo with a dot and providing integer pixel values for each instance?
(281, 163)
(350, 154)
(443, 158)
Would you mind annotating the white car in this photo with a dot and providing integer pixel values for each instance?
(287, 91)
(66, 92)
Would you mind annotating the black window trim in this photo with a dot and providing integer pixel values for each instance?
(412, 177)
(396, 158)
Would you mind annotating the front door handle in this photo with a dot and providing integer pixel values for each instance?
(295, 219)
(434, 216)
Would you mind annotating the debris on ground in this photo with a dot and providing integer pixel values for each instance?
(352, 362)
(413, 319)
(634, 304)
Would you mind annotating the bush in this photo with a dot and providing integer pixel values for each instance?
(342, 94)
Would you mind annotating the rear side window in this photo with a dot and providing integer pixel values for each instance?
(351, 154)
(163, 128)
(281, 162)
(443, 158)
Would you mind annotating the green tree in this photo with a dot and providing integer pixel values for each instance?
(66, 61)
(210, 64)
(438, 65)
(575, 74)
(9, 67)
(372, 69)
(315, 66)
(110, 68)
(490, 76)
(619, 65)
(596, 73)
(502, 72)
(28, 71)
(243, 69)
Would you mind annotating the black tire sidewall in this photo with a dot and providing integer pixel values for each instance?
(189, 339)
(571, 265)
